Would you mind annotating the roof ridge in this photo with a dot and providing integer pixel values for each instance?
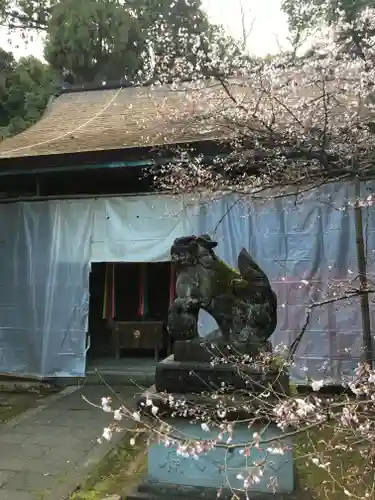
(66, 88)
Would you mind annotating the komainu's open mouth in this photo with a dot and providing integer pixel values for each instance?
(183, 251)
(183, 258)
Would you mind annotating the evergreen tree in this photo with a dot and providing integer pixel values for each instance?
(25, 89)
(95, 40)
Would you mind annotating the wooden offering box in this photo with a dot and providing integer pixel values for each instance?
(137, 335)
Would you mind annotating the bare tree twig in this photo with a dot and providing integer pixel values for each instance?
(294, 346)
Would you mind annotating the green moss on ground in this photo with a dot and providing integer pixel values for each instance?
(117, 473)
(318, 483)
(13, 404)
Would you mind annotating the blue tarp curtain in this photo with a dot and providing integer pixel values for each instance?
(307, 249)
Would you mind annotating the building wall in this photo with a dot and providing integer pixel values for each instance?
(306, 246)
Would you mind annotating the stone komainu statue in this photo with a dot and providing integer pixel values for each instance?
(242, 303)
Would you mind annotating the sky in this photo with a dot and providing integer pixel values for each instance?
(269, 27)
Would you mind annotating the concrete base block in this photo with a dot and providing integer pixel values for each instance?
(220, 467)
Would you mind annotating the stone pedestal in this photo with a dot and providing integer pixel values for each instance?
(168, 473)
(204, 351)
(176, 376)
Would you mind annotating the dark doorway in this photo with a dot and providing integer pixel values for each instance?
(130, 301)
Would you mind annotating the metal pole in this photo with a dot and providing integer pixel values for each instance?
(361, 262)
